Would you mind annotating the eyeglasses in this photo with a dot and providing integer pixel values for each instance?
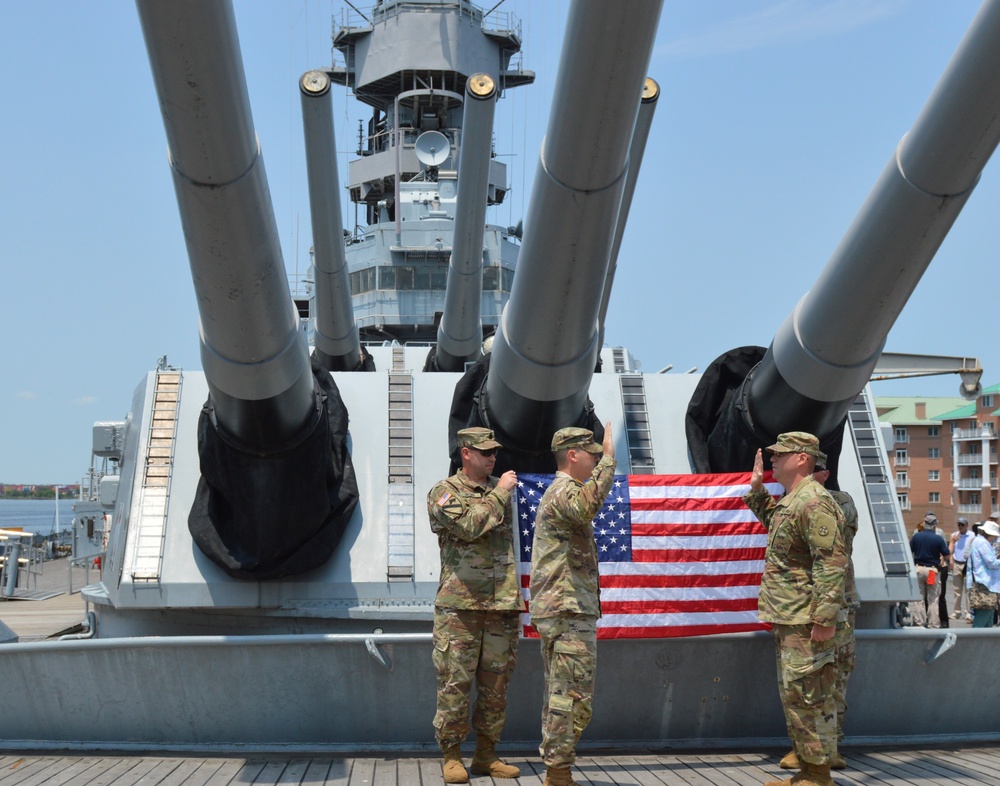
(487, 453)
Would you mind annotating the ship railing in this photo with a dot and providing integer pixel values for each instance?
(94, 560)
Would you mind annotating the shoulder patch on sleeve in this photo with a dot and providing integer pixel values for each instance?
(452, 506)
(443, 499)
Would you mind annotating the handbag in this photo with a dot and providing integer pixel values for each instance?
(981, 598)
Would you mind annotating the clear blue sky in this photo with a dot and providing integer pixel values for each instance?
(775, 121)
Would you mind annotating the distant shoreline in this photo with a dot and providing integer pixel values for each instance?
(12, 491)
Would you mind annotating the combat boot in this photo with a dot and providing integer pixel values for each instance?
(813, 775)
(454, 770)
(837, 762)
(486, 762)
(558, 776)
(790, 761)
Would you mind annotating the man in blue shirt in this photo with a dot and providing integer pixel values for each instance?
(929, 552)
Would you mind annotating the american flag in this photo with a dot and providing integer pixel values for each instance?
(678, 555)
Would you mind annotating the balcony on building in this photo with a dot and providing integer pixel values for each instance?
(972, 459)
(975, 484)
(984, 431)
(973, 509)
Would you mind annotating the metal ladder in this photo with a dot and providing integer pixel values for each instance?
(399, 499)
(637, 434)
(154, 495)
(890, 533)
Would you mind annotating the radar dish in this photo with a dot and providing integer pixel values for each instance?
(432, 148)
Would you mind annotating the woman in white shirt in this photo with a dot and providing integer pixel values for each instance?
(983, 568)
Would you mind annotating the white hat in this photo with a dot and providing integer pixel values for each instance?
(990, 528)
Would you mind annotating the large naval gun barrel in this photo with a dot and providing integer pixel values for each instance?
(337, 346)
(276, 479)
(824, 353)
(460, 333)
(546, 347)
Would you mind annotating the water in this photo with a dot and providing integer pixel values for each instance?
(35, 515)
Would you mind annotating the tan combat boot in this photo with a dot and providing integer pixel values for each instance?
(837, 762)
(486, 762)
(790, 761)
(558, 776)
(454, 770)
(814, 775)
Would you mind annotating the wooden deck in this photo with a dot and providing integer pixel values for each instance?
(970, 766)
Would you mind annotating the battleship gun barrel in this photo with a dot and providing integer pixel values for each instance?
(460, 334)
(825, 351)
(337, 345)
(254, 357)
(547, 344)
(647, 108)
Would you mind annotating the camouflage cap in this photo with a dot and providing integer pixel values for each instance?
(478, 438)
(798, 442)
(578, 438)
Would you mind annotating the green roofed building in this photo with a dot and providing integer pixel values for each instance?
(943, 454)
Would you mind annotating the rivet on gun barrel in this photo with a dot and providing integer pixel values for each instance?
(266, 414)
(825, 352)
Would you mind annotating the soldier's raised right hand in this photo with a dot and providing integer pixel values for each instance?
(508, 480)
(757, 478)
(609, 443)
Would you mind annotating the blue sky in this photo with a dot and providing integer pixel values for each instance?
(775, 121)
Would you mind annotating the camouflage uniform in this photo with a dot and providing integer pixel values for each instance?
(565, 598)
(476, 609)
(802, 585)
(844, 644)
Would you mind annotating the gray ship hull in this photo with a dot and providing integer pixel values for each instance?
(376, 693)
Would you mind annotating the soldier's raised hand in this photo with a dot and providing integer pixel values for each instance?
(508, 480)
(609, 443)
(757, 477)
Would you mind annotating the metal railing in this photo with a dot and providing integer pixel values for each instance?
(965, 459)
(975, 433)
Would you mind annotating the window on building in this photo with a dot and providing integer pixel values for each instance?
(974, 498)
(934, 474)
(933, 431)
(900, 434)
(934, 496)
(988, 400)
(902, 480)
(954, 426)
(904, 501)
(933, 453)
(973, 424)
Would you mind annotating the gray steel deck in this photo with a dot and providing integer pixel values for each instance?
(867, 767)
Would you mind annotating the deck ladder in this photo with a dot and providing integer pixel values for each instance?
(154, 495)
(637, 434)
(890, 533)
(399, 561)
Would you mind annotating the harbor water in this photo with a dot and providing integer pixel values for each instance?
(36, 515)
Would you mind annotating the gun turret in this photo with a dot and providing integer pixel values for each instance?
(546, 347)
(267, 414)
(824, 353)
(460, 334)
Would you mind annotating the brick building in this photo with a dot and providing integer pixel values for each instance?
(943, 454)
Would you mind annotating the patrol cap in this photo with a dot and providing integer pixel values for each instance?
(478, 438)
(798, 442)
(990, 528)
(577, 438)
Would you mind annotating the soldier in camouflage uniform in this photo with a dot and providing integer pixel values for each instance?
(843, 639)
(565, 593)
(801, 595)
(477, 607)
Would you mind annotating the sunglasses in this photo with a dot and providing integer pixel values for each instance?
(487, 453)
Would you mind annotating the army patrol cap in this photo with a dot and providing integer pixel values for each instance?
(477, 438)
(576, 438)
(798, 442)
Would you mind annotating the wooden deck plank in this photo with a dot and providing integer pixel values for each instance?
(362, 772)
(970, 766)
